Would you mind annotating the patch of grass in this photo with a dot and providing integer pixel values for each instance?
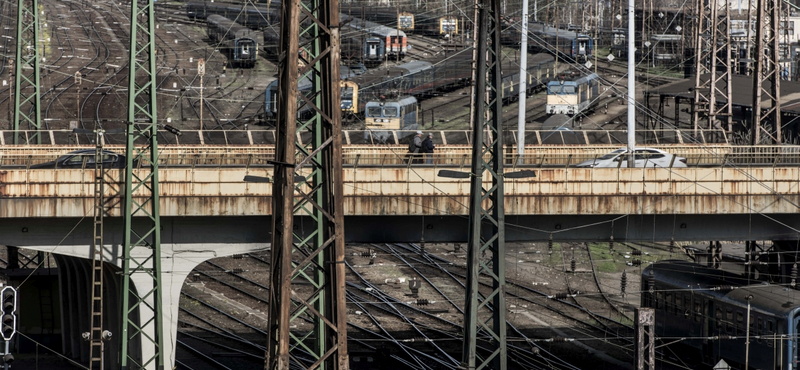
(604, 259)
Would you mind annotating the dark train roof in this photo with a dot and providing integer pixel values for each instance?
(225, 23)
(552, 31)
(369, 26)
(771, 298)
(743, 92)
(402, 100)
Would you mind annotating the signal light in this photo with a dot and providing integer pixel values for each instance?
(8, 322)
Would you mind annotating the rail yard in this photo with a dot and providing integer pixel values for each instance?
(101, 95)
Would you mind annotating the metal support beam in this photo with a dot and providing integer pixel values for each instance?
(766, 117)
(713, 94)
(645, 352)
(307, 274)
(101, 207)
(486, 203)
(141, 308)
(27, 112)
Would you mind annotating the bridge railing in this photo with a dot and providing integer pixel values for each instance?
(258, 136)
(453, 156)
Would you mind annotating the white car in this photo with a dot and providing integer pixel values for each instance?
(643, 157)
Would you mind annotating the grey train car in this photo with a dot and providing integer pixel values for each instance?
(238, 42)
(709, 309)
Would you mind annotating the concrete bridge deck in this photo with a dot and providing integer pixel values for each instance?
(208, 210)
(203, 186)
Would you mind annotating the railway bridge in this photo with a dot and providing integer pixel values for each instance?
(208, 210)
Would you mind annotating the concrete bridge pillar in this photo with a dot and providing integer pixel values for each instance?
(177, 261)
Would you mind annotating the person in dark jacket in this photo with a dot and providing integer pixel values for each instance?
(427, 148)
(415, 149)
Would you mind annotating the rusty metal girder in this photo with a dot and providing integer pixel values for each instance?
(485, 315)
(307, 270)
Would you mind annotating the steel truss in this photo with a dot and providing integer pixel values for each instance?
(766, 76)
(713, 95)
(307, 274)
(142, 304)
(486, 202)
(27, 92)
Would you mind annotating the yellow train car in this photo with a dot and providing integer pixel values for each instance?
(349, 90)
(448, 26)
(405, 21)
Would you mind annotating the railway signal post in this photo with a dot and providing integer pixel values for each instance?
(307, 277)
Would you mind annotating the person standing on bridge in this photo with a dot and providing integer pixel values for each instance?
(427, 148)
(415, 148)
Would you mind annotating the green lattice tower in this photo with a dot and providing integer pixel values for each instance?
(486, 210)
(142, 306)
(27, 112)
(307, 275)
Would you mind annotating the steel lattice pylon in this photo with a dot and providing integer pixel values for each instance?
(142, 245)
(766, 74)
(27, 94)
(307, 273)
(713, 95)
(486, 211)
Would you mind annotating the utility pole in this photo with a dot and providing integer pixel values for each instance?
(201, 71)
(142, 325)
(27, 90)
(11, 108)
(77, 81)
(486, 200)
(747, 335)
(645, 353)
(713, 95)
(308, 184)
(397, 39)
(631, 85)
(523, 79)
(596, 26)
(766, 74)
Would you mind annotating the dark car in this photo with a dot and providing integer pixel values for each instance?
(77, 158)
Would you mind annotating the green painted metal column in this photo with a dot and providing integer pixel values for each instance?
(307, 274)
(142, 306)
(27, 112)
(485, 316)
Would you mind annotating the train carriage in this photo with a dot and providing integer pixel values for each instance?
(395, 41)
(371, 49)
(421, 79)
(405, 21)
(709, 309)
(443, 26)
(392, 114)
(253, 17)
(572, 96)
(239, 43)
(566, 44)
